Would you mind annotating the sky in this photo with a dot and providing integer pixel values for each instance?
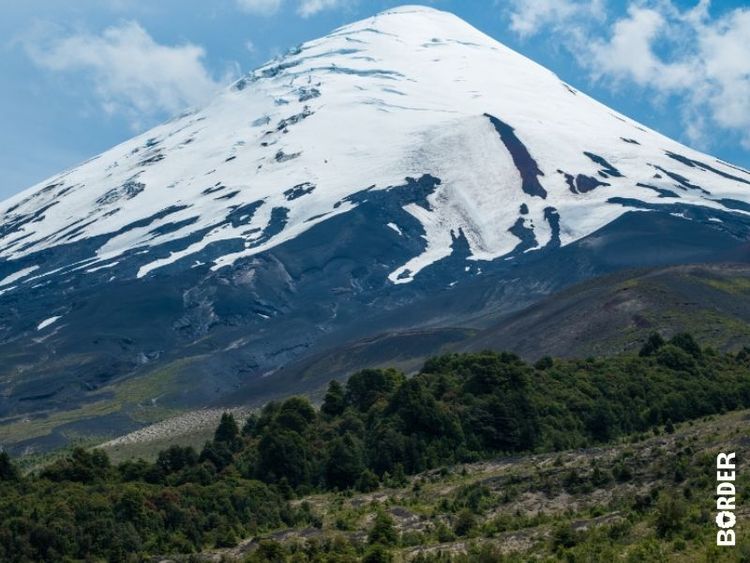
(82, 76)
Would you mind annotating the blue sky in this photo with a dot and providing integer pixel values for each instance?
(80, 77)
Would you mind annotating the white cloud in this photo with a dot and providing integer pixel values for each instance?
(725, 58)
(309, 8)
(131, 73)
(701, 62)
(305, 8)
(260, 7)
(629, 52)
(527, 17)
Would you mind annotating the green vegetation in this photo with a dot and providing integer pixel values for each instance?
(372, 433)
(44, 423)
(733, 285)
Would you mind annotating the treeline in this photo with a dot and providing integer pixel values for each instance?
(376, 429)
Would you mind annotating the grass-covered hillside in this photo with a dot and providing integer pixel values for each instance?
(293, 473)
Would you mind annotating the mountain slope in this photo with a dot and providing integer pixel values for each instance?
(606, 315)
(420, 93)
(405, 172)
(617, 313)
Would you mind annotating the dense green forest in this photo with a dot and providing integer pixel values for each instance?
(375, 430)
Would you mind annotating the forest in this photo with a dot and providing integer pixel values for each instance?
(375, 430)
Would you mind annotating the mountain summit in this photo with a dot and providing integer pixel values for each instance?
(405, 171)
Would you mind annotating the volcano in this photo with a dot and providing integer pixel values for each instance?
(403, 174)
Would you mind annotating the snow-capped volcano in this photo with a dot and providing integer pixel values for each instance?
(403, 175)
(520, 159)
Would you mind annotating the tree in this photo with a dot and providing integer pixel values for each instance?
(176, 458)
(81, 466)
(675, 358)
(218, 453)
(283, 454)
(383, 531)
(669, 426)
(8, 470)
(295, 414)
(418, 409)
(269, 551)
(743, 356)
(544, 363)
(685, 341)
(227, 431)
(334, 403)
(251, 424)
(226, 537)
(600, 423)
(398, 478)
(670, 512)
(563, 535)
(267, 417)
(377, 554)
(345, 462)
(368, 482)
(386, 447)
(465, 522)
(504, 422)
(134, 470)
(366, 387)
(652, 345)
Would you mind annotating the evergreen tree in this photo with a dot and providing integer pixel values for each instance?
(228, 431)
(600, 423)
(283, 454)
(669, 426)
(687, 343)
(8, 470)
(652, 345)
(398, 479)
(295, 414)
(345, 462)
(334, 403)
(368, 482)
(251, 424)
(217, 453)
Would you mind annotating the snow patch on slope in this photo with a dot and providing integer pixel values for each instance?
(47, 322)
(20, 274)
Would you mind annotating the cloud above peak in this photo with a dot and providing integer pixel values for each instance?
(304, 8)
(260, 7)
(309, 8)
(700, 61)
(629, 52)
(528, 17)
(129, 71)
